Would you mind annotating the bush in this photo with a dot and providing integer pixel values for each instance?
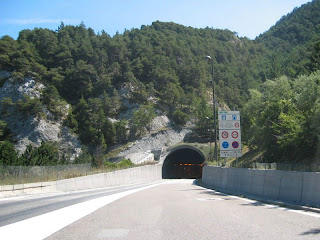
(83, 158)
(45, 155)
(8, 154)
(180, 117)
(125, 163)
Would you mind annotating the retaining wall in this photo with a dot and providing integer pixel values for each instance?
(294, 187)
(109, 179)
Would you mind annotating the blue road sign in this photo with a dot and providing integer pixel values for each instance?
(234, 117)
(225, 144)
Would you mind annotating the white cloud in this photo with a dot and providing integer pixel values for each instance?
(39, 21)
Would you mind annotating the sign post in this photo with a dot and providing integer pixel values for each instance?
(229, 134)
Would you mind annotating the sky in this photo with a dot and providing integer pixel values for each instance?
(249, 18)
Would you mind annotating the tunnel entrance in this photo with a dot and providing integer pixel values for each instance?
(183, 162)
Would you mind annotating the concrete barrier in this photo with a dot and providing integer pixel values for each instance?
(109, 179)
(292, 187)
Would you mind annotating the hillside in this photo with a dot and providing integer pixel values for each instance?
(115, 86)
(292, 40)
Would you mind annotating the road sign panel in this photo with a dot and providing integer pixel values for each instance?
(229, 133)
(235, 134)
(230, 154)
(235, 144)
(229, 115)
(224, 134)
(225, 144)
(225, 125)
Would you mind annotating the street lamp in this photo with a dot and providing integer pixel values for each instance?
(214, 113)
(208, 125)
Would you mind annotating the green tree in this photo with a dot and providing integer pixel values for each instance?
(141, 119)
(109, 131)
(121, 130)
(204, 117)
(4, 131)
(44, 155)
(180, 117)
(106, 103)
(279, 118)
(8, 154)
(315, 58)
(6, 104)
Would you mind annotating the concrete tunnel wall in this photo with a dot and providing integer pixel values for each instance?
(109, 179)
(295, 187)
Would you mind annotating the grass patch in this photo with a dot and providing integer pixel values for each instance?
(115, 152)
(54, 173)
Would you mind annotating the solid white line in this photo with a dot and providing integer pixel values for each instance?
(11, 198)
(310, 214)
(303, 212)
(42, 226)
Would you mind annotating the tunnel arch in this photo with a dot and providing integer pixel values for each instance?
(183, 162)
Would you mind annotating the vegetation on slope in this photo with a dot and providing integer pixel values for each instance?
(163, 67)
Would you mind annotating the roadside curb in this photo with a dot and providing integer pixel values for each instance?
(267, 201)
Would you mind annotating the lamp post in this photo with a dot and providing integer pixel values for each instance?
(208, 123)
(214, 113)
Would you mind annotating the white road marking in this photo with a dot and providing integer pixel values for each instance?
(303, 212)
(316, 215)
(42, 226)
(11, 198)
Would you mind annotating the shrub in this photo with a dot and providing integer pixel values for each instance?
(180, 117)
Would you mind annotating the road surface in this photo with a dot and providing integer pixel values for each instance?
(171, 209)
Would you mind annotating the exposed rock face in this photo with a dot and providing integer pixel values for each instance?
(144, 149)
(160, 122)
(162, 139)
(32, 130)
(16, 90)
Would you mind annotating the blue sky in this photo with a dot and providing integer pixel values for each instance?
(248, 18)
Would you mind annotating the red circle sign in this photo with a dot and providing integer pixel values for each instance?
(225, 134)
(235, 134)
(235, 144)
(237, 125)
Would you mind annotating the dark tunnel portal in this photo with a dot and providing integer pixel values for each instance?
(183, 163)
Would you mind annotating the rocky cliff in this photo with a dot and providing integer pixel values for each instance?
(33, 129)
(29, 129)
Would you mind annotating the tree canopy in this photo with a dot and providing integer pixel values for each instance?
(163, 66)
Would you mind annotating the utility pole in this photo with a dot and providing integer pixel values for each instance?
(214, 113)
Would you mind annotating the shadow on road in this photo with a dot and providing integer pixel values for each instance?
(312, 231)
(253, 204)
(214, 193)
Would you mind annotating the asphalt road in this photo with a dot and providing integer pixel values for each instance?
(170, 210)
(20, 208)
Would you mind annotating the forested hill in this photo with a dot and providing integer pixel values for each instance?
(166, 55)
(298, 27)
(292, 40)
(161, 66)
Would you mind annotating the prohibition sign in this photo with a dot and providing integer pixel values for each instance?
(235, 134)
(235, 144)
(237, 125)
(225, 134)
